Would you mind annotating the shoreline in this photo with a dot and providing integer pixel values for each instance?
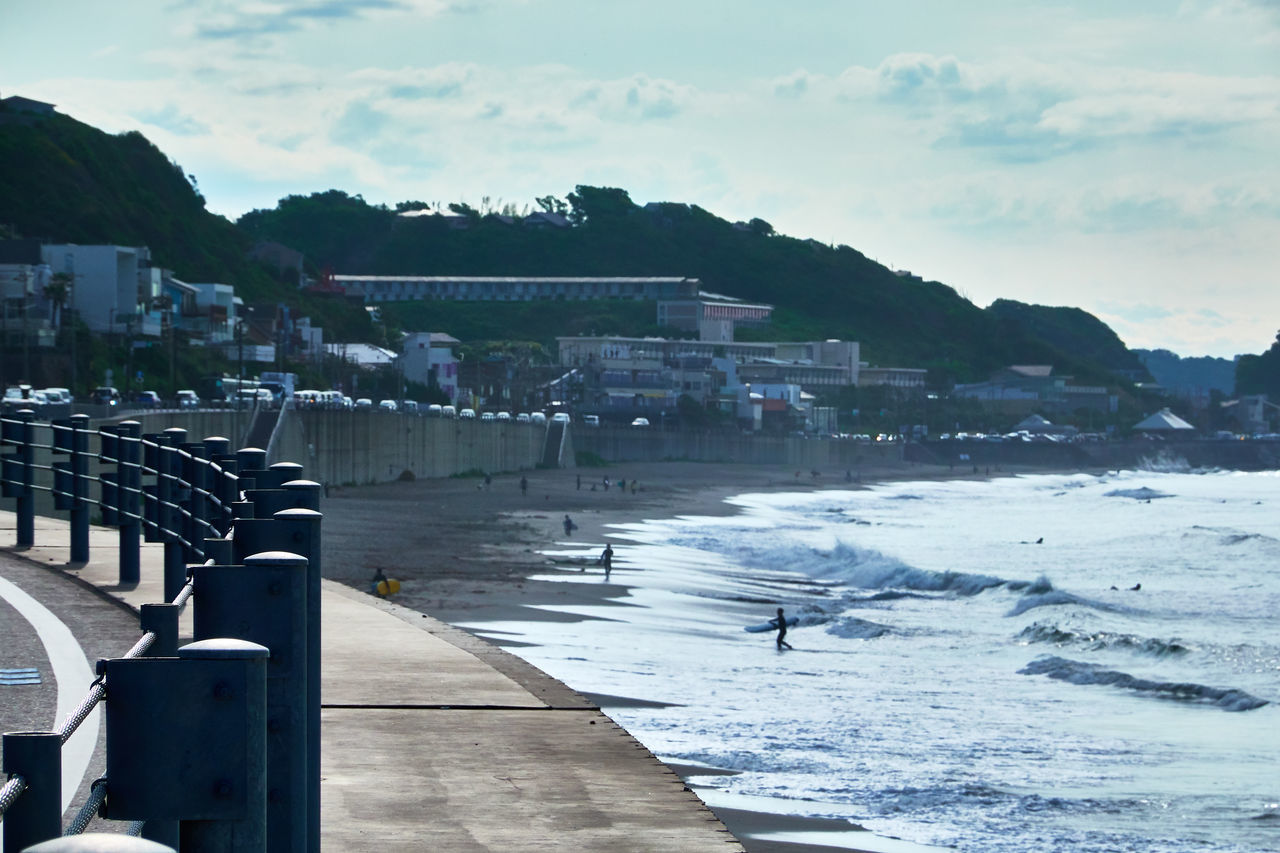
(467, 553)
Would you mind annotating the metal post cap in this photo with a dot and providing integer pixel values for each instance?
(297, 512)
(275, 558)
(98, 842)
(222, 648)
(300, 484)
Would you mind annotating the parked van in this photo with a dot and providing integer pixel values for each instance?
(467, 414)
(448, 412)
(435, 410)
(591, 420)
(409, 407)
(538, 417)
(522, 418)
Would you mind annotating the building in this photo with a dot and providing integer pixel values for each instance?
(905, 378)
(1020, 389)
(429, 359)
(384, 288)
(712, 316)
(108, 282)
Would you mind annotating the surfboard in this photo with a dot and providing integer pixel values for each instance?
(387, 587)
(771, 625)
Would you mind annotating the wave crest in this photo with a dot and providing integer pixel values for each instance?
(1040, 632)
(1077, 672)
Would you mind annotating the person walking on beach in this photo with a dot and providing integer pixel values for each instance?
(606, 559)
(569, 526)
(524, 485)
(781, 622)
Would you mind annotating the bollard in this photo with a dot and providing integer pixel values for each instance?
(186, 740)
(264, 601)
(129, 483)
(219, 550)
(286, 471)
(36, 815)
(100, 842)
(251, 462)
(79, 488)
(194, 474)
(163, 620)
(18, 472)
(306, 494)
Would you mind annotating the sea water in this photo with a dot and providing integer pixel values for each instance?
(1029, 663)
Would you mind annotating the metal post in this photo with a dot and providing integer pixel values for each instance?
(37, 814)
(186, 741)
(264, 601)
(163, 620)
(26, 496)
(250, 462)
(250, 832)
(194, 474)
(175, 564)
(129, 481)
(79, 488)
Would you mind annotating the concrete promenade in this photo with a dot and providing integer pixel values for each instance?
(435, 740)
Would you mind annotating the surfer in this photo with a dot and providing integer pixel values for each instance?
(781, 622)
(378, 578)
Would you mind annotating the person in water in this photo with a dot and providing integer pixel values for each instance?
(781, 622)
(378, 578)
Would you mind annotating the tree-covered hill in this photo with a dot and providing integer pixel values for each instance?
(820, 291)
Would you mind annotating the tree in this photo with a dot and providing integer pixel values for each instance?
(57, 291)
(551, 204)
(598, 204)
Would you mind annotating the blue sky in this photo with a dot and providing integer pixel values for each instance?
(1118, 157)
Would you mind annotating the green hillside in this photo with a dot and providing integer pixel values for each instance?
(820, 291)
(61, 180)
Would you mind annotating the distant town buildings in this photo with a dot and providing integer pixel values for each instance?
(1020, 389)
(383, 288)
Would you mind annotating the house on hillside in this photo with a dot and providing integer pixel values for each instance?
(1023, 388)
(430, 360)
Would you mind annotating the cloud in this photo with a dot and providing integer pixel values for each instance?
(793, 85)
(1137, 313)
(173, 120)
(638, 97)
(249, 20)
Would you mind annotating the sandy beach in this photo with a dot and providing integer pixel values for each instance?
(464, 551)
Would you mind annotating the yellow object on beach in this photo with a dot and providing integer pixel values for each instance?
(387, 587)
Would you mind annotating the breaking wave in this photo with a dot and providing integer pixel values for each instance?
(1076, 672)
(1096, 641)
(1041, 593)
(869, 569)
(853, 628)
(1142, 493)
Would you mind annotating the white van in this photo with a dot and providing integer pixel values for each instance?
(591, 420)
(435, 410)
(448, 412)
(538, 417)
(467, 414)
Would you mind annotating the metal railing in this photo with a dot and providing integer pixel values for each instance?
(189, 762)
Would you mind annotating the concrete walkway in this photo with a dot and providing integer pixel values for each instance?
(433, 739)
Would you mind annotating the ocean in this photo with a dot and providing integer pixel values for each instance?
(1059, 662)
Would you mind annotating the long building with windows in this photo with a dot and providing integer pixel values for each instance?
(404, 288)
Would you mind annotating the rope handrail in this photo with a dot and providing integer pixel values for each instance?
(10, 792)
(97, 793)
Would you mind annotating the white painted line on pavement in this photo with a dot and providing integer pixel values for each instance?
(74, 675)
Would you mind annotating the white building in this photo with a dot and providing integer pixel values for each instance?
(429, 359)
(107, 282)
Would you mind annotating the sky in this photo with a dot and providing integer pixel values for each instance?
(1119, 157)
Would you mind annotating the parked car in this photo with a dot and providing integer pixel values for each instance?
(387, 406)
(560, 418)
(505, 417)
(486, 416)
(448, 412)
(640, 422)
(522, 418)
(188, 399)
(363, 404)
(409, 407)
(435, 410)
(58, 395)
(537, 417)
(104, 395)
(147, 400)
(467, 414)
(591, 420)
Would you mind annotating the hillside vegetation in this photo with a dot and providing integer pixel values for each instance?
(63, 181)
(820, 291)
